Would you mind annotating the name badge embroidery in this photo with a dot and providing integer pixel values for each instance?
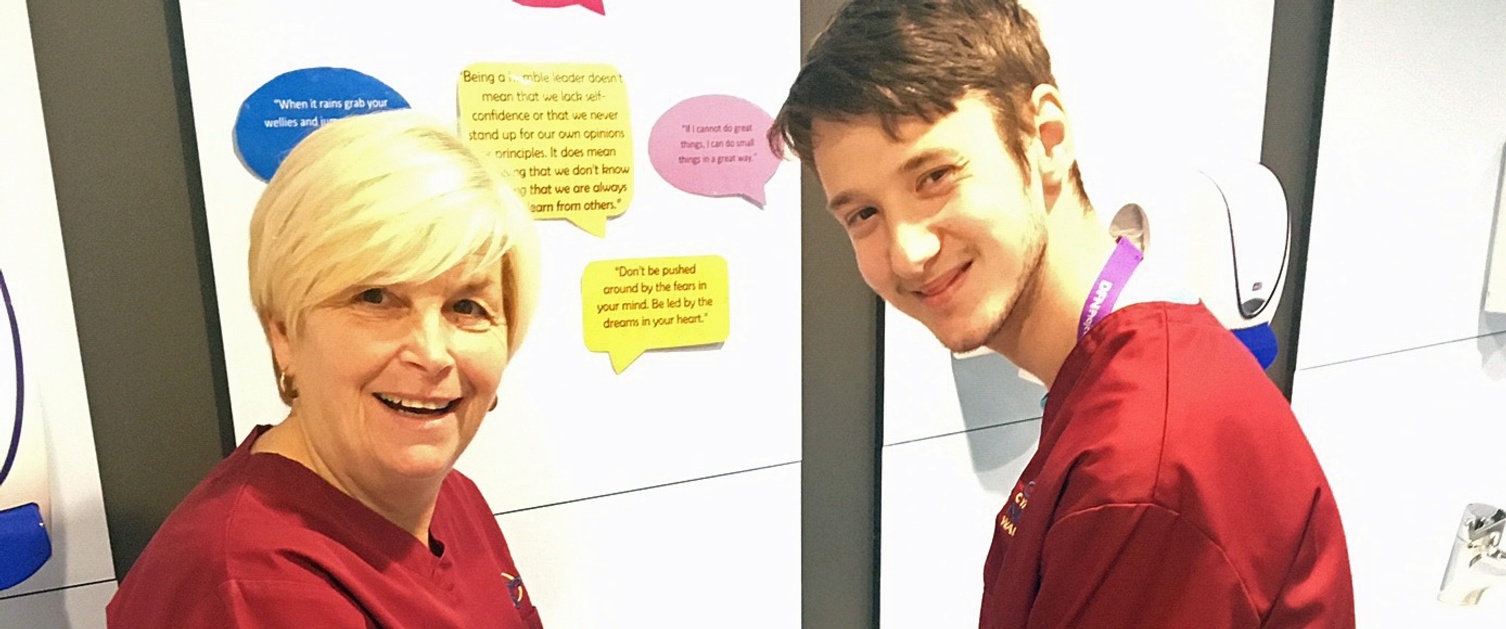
(1015, 510)
(515, 590)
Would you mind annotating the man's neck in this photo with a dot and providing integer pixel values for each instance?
(1042, 330)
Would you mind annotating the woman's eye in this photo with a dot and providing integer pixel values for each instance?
(470, 308)
(373, 296)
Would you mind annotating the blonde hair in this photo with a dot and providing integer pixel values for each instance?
(380, 199)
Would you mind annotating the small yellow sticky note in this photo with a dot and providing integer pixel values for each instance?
(634, 305)
(559, 134)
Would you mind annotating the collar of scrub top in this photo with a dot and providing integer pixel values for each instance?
(1105, 291)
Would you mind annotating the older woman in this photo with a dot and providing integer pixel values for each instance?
(394, 276)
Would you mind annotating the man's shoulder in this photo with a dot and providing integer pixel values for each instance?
(1170, 401)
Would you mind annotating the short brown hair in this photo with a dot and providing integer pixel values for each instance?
(917, 58)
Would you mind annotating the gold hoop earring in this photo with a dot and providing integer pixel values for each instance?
(285, 385)
(494, 405)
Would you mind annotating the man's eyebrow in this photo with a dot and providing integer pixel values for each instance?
(842, 198)
(927, 156)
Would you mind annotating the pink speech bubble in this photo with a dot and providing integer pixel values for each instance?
(594, 5)
(714, 146)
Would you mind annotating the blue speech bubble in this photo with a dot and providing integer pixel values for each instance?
(286, 109)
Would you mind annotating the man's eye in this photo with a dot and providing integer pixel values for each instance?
(939, 175)
(373, 296)
(861, 215)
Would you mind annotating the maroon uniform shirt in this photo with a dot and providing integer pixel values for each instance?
(264, 542)
(1172, 488)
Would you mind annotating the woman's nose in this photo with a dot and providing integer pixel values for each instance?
(429, 341)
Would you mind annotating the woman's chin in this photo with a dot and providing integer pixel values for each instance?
(425, 461)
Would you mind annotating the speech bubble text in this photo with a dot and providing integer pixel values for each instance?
(286, 109)
(630, 306)
(559, 133)
(595, 5)
(714, 146)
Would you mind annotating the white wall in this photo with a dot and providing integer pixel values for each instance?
(73, 586)
(1148, 85)
(1401, 378)
(577, 455)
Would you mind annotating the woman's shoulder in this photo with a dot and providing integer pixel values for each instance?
(249, 505)
(222, 529)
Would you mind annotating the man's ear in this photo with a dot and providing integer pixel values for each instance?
(1053, 148)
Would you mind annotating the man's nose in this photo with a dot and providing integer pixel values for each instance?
(914, 244)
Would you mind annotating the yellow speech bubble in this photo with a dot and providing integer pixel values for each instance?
(634, 305)
(559, 133)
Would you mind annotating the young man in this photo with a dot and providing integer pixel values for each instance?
(1172, 486)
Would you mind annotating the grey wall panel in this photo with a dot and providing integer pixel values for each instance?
(1289, 147)
(840, 332)
(132, 236)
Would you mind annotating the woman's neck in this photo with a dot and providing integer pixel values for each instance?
(407, 503)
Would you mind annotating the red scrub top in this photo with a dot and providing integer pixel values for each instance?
(265, 542)
(1172, 488)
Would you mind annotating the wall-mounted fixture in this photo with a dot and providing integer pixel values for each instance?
(1221, 231)
(1495, 273)
(24, 489)
(1477, 560)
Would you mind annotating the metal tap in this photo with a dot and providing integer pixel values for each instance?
(1477, 560)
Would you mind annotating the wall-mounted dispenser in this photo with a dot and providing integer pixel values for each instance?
(24, 488)
(1220, 231)
(1477, 560)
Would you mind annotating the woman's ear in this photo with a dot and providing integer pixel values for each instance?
(1054, 150)
(282, 346)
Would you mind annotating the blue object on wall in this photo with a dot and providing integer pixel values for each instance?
(1261, 340)
(24, 545)
(286, 109)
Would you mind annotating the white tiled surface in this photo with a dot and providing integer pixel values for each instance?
(1409, 168)
(721, 552)
(1407, 440)
(940, 498)
(81, 607)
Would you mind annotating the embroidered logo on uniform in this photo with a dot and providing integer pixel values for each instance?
(515, 590)
(1009, 520)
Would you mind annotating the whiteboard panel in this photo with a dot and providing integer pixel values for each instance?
(568, 426)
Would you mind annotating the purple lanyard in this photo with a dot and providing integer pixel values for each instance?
(1111, 280)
